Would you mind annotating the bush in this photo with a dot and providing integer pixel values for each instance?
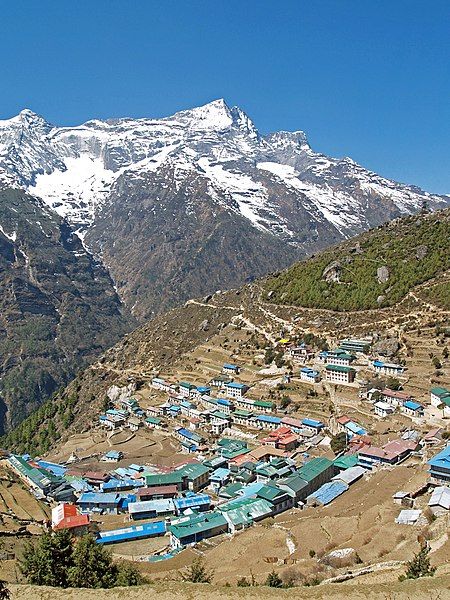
(274, 580)
(419, 566)
(197, 572)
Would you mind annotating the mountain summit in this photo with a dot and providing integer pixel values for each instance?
(196, 201)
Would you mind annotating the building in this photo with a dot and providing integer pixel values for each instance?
(440, 467)
(267, 422)
(277, 497)
(437, 395)
(361, 346)
(440, 398)
(190, 440)
(195, 474)
(383, 409)
(315, 473)
(112, 456)
(395, 397)
(338, 357)
(230, 369)
(156, 492)
(236, 390)
(243, 512)
(242, 417)
(162, 480)
(188, 390)
(104, 503)
(412, 409)
(439, 502)
(349, 427)
(388, 368)
(302, 353)
(163, 385)
(312, 425)
(66, 516)
(309, 375)
(220, 381)
(295, 486)
(263, 406)
(327, 493)
(192, 502)
(153, 422)
(133, 423)
(149, 509)
(219, 422)
(391, 453)
(339, 374)
(219, 478)
(128, 534)
(282, 438)
(193, 529)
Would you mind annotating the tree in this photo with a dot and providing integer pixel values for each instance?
(5, 594)
(48, 561)
(339, 442)
(419, 565)
(92, 565)
(127, 575)
(197, 572)
(393, 384)
(274, 580)
(242, 582)
(285, 401)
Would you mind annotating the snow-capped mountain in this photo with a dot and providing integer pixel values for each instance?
(127, 185)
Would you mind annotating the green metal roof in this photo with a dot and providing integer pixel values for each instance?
(242, 413)
(193, 470)
(269, 492)
(346, 462)
(294, 482)
(245, 511)
(263, 403)
(153, 420)
(220, 415)
(314, 467)
(440, 391)
(174, 477)
(339, 369)
(198, 524)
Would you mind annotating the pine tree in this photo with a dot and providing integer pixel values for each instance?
(92, 565)
(5, 594)
(48, 561)
(127, 575)
(274, 580)
(197, 572)
(420, 565)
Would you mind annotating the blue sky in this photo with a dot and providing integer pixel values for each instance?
(368, 79)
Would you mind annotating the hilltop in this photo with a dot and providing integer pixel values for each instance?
(375, 269)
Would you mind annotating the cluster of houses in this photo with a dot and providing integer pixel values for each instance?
(234, 487)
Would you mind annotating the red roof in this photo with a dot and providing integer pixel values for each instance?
(72, 522)
(155, 490)
(396, 394)
(391, 450)
(96, 475)
(292, 422)
(343, 420)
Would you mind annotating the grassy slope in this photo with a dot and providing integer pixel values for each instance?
(414, 249)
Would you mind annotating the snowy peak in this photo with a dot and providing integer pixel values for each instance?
(75, 169)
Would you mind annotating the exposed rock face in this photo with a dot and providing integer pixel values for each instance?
(58, 306)
(332, 272)
(386, 347)
(383, 274)
(421, 252)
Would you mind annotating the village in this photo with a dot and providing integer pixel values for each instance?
(237, 453)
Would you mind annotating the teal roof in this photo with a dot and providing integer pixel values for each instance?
(245, 511)
(314, 467)
(346, 462)
(193, 470)
(153, 420)
(270, 493)
(339, 369)
(163, 478)
(198, 524)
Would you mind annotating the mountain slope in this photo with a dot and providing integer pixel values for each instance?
(169, 341)
(148, 195)
(58, 306)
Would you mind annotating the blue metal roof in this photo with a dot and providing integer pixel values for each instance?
(328, 492)
(220, 474)
(355, 428)
(223, 401)
(312, 423)
(412, 405)
(132, 533)
(238, 386)
(268, 419)
(229, 366)
(54, 468)
(441, 460)
(192, 501)
(99, 498)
